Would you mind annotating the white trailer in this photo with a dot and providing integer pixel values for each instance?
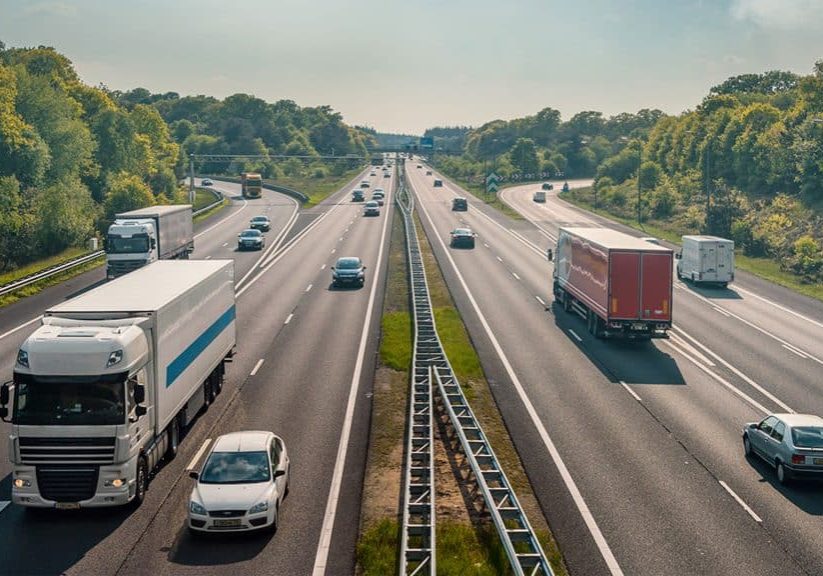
(103, 389)
(706, 259)
(143, 236)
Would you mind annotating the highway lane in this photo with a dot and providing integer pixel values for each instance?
(287, 318)
(660, 508)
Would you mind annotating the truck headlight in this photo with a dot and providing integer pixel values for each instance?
(23, 358)
(115, 482)
(259, 507)
(114, 358)
(197, 508)
(21, 483)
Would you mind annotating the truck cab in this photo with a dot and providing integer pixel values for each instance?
(130, 244)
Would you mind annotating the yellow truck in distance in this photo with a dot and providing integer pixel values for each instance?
(252, 184)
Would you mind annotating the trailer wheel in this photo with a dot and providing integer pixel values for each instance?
(567, 302)
(174, 439)
(598, 327)
(141, 483)
(214, 378)
(208, 395)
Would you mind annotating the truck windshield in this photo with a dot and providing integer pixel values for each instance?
(133, 245)
(69, 400)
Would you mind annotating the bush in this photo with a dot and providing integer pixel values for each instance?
(807, 259)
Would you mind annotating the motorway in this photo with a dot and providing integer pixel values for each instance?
(304, 367)
(635, 451)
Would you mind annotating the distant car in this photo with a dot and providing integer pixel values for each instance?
(372, 208)
(364, 184)
(372, 173)
(357, 196)
(242, 484)
(261, 223)
(438, 183)
(539, 196)
(791, 443)
(428, 172)
(207, 182)
(462, 238)
(348, 270)
(419, 165)
(387, 175)
(378, 196)
(650, 240)
(547, 186)
(251, 239)
(460, 205)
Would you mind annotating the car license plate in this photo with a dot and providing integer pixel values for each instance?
(638, 326)
(224, 523)
(67, 506)
(818, 461)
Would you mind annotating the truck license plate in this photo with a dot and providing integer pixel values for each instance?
(223, 523)
(68, 505)
(638, 326)
(818, 461)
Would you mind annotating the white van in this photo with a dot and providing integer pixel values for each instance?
(706, 259)
(539, 196)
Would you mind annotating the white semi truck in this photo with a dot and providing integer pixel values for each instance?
(143, 236)
(103, 388)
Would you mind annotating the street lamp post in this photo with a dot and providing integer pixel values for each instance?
(639, 195)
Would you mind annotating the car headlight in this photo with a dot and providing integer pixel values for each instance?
(197, 508)
(259, 507)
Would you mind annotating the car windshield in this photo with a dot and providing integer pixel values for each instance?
(135, 244)
(236, 468)
(462, 232)
(348, 264)
(260, 219)
(807, 437)
(250, 234)
(69, 400)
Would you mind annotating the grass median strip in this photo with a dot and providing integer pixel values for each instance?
(37, 287)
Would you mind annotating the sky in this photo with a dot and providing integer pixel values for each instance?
(404, 66)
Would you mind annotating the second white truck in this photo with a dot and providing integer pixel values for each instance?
(706, 260)
(104, 388)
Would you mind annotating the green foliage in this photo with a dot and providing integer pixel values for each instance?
(523, 156)
(64, 215)
(126, 192)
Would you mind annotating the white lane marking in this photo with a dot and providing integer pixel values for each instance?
(223, 221)
(571, 486)
(207, 257)
(721, 380)
(198, 454)
(323, 267)
(539, 299)
(721, 311)
(486, 245)
(740, 374)
(257, 367)
(288, 318)
(793, 350)
(225, 244)
(499, 258)
(780, 307)
(515, 275)
(20, 327)
(309, 287)
(340, 239)
(275, 245)
(675, 338)
(346, 230)
(573, 333)
(333, 250)
(323, 546)
(741, 502)
(630, 391)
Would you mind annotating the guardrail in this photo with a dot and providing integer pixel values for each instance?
(433, 372)
(80, 260)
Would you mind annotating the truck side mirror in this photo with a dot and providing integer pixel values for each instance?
(550, 255)
(139, 394)
(4, 394)
(153, 243)
(678, 256)
(140, 411)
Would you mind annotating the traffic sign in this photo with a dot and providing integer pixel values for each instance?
(491, 182)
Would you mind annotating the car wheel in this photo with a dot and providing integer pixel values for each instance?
(174, 439)
(273, 526)
(141, 483)
(747, 446)
(782, 474)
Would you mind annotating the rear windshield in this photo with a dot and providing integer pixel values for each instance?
(807, 437)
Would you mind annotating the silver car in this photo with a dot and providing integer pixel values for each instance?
(792, 443)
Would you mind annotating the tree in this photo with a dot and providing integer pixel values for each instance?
(523, 156)
(65, 214)
(126, 192)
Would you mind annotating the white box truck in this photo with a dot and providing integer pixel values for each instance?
(102, 389)
(706, 260)
(143, 236)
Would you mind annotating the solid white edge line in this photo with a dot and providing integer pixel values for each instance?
(288, 318)
(573, 333)
(257, 367)
(793, 351)
(223, 221)
(779, 306)
(630, 391)
(741, 502)
(571, 486)
(721, 311)
(675, 338)
(198, 454)
(20, 327)
(324, 544)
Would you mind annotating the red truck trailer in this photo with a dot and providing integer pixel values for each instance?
(619, 284)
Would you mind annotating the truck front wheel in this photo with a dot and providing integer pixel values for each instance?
(174, 438)
(141, 483)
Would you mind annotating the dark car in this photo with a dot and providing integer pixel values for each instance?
(462, 238)
(207, 182)
(438, 183)
(348, 271)
(547, 186)
(261, 223)
(251, 239)
(357, 196)
(460, 205)
(565, 186)
(428, 172)
(387, 175)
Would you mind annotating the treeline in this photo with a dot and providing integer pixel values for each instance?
(747, 163)
(539, 145)
(73, 155)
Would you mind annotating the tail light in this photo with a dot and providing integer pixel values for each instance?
(798, 459)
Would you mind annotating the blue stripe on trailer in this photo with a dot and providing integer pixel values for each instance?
(190, 354)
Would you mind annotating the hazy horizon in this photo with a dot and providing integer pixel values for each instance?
(406, 67)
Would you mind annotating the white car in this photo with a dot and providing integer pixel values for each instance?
(242, 484)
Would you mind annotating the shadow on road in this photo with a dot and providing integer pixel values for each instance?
(632, 362)
(803, 493)
(217, 549)
(712, 292)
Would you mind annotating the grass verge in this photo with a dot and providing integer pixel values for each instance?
(39, 265)
(317, 189)
(211, 211)
(763, 267)
(33, 289)
(203, 197)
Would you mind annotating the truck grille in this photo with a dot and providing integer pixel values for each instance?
(67, 484)
(120, 267)
(67, 450)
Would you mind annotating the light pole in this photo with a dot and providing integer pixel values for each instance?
(639, 195)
